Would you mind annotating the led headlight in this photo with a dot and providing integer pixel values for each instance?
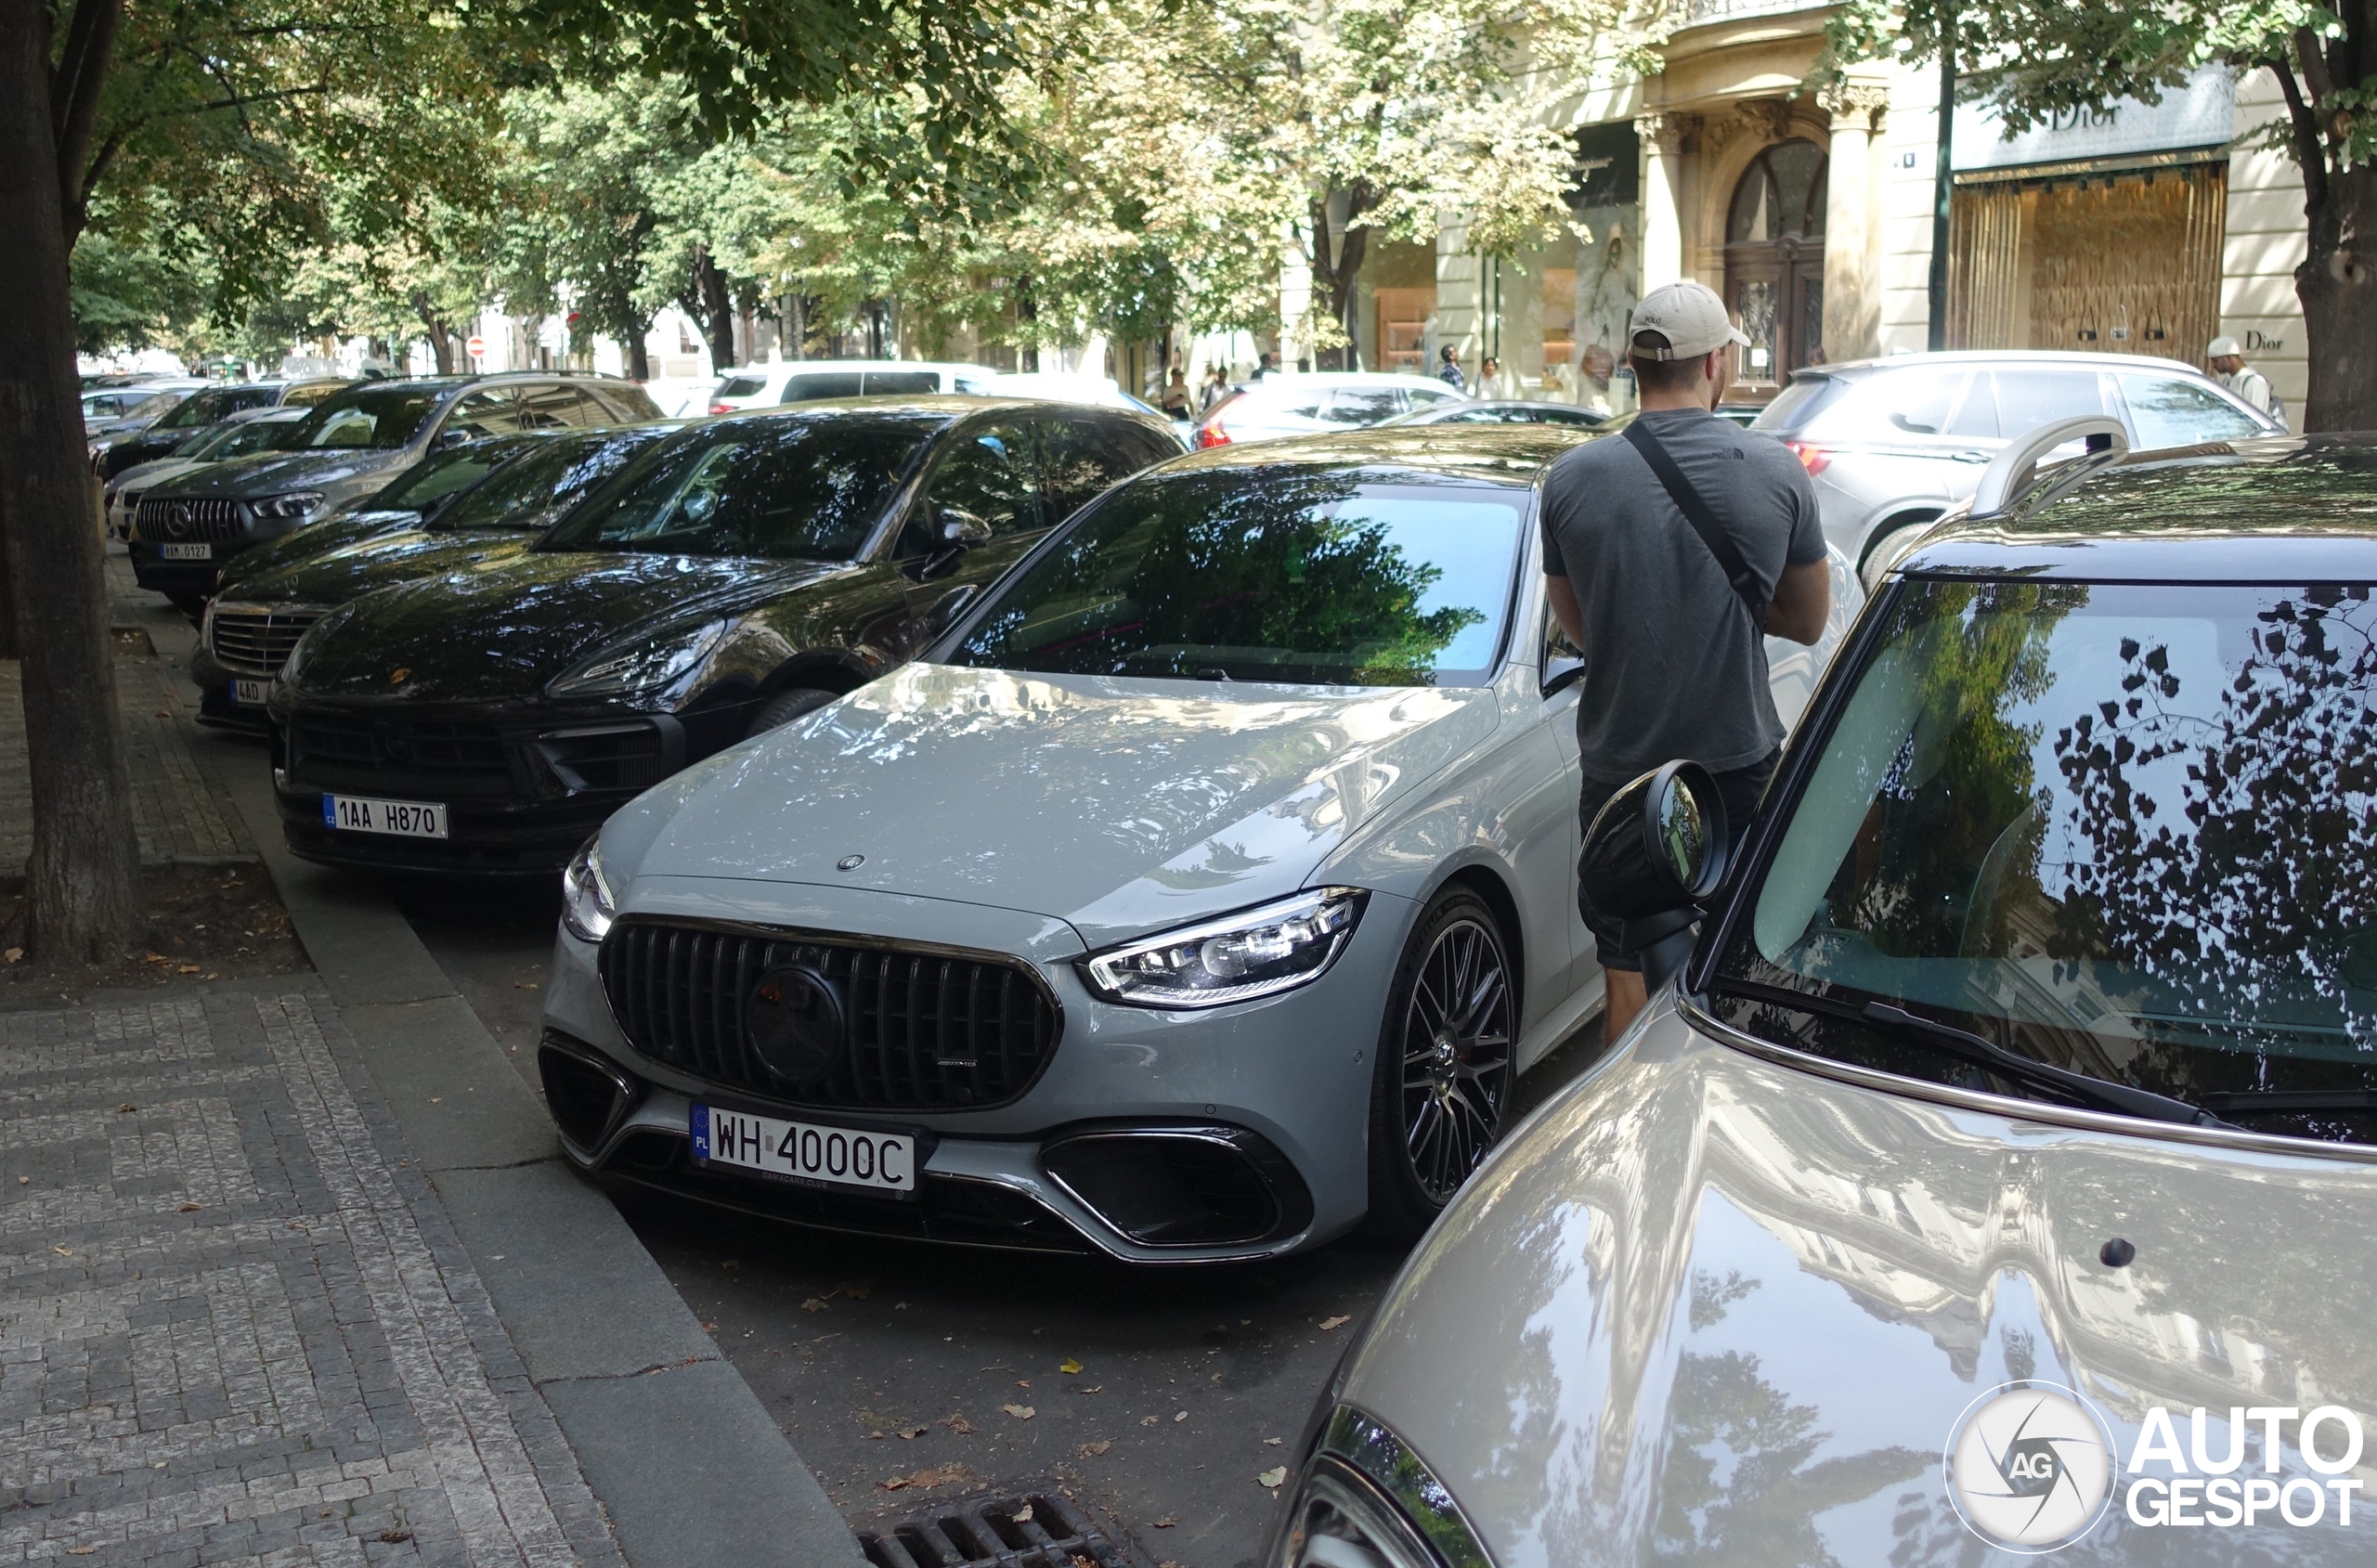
(585, 903)
(1236, 958)
(294, 507)
(1365, 1500)
(650, 667)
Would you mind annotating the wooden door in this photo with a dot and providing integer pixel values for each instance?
(1403, 328)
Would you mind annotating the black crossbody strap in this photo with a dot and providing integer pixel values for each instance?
(1703, 522)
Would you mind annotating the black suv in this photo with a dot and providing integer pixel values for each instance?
(735, 575)
(343, 451)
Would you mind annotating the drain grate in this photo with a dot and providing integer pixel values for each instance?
(1041, 1530)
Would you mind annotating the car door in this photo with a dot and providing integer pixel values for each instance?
(2174, 411)
(1548, 883)
(986, 477)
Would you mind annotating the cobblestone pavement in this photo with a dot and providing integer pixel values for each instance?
(179, 814)
(235, 1326)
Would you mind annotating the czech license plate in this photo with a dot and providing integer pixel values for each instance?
(251, 694)
(405, 819)
(185, 552)
(838, 1156)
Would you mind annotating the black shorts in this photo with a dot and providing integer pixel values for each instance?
(1739, 789)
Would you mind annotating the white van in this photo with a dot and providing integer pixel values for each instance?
(805, 380)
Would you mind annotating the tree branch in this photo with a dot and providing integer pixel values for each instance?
(74, 101)
(2311, 150)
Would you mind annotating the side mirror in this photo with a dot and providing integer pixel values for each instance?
(1655, 853)
(451, 437)
(959, 528)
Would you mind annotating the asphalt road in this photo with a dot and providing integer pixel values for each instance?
(946, 1369)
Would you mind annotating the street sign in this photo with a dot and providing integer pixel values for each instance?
(477, 345)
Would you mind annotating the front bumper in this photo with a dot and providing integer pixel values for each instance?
(1261, 1110)
(160, 575)
(217, 706)
(523, 787)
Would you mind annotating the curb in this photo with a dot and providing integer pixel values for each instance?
(687, 1463)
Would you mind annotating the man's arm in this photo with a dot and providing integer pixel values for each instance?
(1564, 611)
(1802, 602)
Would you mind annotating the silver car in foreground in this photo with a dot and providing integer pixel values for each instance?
(1893, 444)
(2000, 1176)
(1201, 893)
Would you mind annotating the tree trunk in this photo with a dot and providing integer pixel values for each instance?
(1338, 277)
(718, 310)
(639, 362)
(441, 336)
(2337, 284)
(81, 882)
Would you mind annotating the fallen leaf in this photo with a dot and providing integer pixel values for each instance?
(14, 955)
(815, 1303)
(61, 1252)
(959, 1424)
(1329, 1323)
(1023, 1514)
(24, 1181)
(1091, 1450)
(946, 1475)
(396, 1537)
(858, 1289)
(909, 1435)
(1095, 1388)
(1181, 1416)
(190, 968)
(86, 1551)
(1021, 1412)
(1272, 1477)
(190, 1208)
(1166, 1523)
(1146, 1420)
(523, 985)
(1270, 1442)
(125, 1109)
(1023, 1382)
(1068, 1366)
(709, 1327)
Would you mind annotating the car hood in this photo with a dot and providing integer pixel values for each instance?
(274, 473)
(156, 471)
(1709, 1308)
(499, 628)
(380, 551)
(1121, 806)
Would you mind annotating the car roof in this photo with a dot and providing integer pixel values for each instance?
(796, 366)
(2289, 509)
(1498, 454)
(2074, 358)
(949, 405)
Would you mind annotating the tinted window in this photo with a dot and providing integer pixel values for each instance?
(2122, 829)
(2026, 399)
(1566, 416)
(627, 402)
(740, 386)
(798, 487)
(381, 417)
(1081, 458)
(537, 488)
(2171, 412)
(1422, 395)
(495, 411)
(1362, 405)
(988, 472)
(1282, 574)
(823, 383)
(901, 383)
(1799, 402)
(212, 405)
(306, 396)
(439, 475)
(559, 408)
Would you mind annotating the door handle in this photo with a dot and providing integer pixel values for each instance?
(1970, 456)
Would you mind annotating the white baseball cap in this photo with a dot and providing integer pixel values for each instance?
(2222, 347)
(1689, 316)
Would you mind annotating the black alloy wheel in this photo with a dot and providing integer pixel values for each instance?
(1443, 1077)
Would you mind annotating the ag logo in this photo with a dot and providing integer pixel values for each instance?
(794, 1021)
(2030, 1467)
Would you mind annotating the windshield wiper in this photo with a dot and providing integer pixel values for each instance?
(1982, 1052)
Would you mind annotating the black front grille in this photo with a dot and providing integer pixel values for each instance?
(923, 1031)
(163, 520)
(256, 640)
(401, 745)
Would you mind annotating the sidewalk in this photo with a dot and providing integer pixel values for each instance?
(292, 1270)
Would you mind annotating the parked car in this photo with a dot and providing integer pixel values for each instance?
(1499, 410)
(1893, 443)
(1324, 400)
(741, 572)
(199, 412)
(240, 435)
(108, 410)
(1061, 387)
(1197, 895)
(2001, 1164)
(346, 448)
(451, 510)
(807, 380)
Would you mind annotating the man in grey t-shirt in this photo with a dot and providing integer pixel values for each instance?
(1674, 666)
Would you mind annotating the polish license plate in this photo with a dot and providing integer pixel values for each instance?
(835, 1156)
(252, 693)
(405, 819)
(185, 552)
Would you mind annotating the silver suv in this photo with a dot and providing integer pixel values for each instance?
(1894, 443)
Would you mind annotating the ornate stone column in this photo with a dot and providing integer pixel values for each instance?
(1852, 294)
(1662, 240)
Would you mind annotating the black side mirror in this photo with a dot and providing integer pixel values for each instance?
(1655, 853)
(451, 437)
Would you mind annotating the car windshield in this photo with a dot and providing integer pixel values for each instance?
(799, 487)
(1303, 575)
(380, 418)
(538, 489)
(433, 481)
(207, 406)
(2122, 829)
(234, 440)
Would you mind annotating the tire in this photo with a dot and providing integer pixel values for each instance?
(1886, 551)
(786, 706)
(1441, 1085)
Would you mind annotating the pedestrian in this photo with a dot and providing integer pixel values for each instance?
(2227, 361)
(1449, 369)
(1491, 380)
(1216, 387)
(1269, 367)
(1174, 397)
(1672, 552)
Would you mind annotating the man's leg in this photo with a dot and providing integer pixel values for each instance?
(1622, 1002)
(1621, 972)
